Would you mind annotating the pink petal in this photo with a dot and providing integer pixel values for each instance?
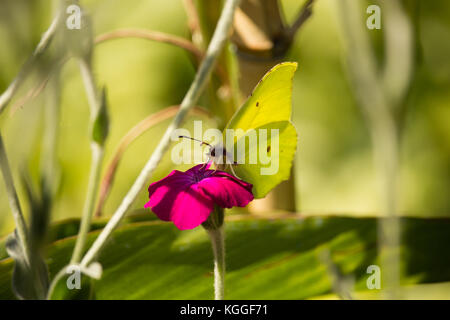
(162, 193)
(191, 208)
(226, 190)
(176, 198)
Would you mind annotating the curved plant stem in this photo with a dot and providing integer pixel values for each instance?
(128, 139)
(113, 35)
(218, 245)
(160, 37)
(193, 21)
(43, 44)
(151, 35)
(214, 49)
(19, 219)
(96, 162)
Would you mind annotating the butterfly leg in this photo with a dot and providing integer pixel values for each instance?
(234, 173)
(206, 163)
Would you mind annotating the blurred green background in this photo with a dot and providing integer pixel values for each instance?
(334, 161)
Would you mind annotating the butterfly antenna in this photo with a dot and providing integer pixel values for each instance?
(202, 142)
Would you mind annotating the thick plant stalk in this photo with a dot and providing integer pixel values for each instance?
(215, 47)
(262, 39)
(379, 97)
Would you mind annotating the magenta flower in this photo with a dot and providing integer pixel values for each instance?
(188, 198)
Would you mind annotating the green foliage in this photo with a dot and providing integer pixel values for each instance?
(266, 259)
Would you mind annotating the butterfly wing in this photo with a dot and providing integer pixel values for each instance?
(274, 156)
(269, 108)
(271, 100)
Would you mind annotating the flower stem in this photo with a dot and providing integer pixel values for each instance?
(96, 162)
(218, 245)
(19, 219)
(89, 205)
(217, 43)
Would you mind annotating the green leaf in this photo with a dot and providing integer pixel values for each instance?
(429, 291)
(100, 128)
(266, 258)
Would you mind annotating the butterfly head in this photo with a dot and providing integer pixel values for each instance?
(216, 154)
